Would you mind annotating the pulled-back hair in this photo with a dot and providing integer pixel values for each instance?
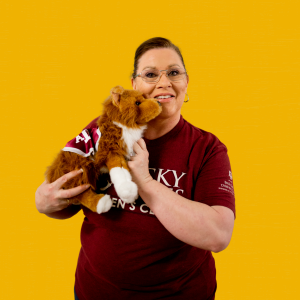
(154, 43)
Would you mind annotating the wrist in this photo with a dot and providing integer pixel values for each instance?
(146, 184)
(65, 213)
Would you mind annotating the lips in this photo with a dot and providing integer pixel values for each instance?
(164, 97)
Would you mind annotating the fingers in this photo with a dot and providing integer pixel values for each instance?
(49, 197)
(70, 193)
(139, 146)
(139, 164)
(60, 181)
(142, 144)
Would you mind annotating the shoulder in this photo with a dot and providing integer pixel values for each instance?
(201, 138)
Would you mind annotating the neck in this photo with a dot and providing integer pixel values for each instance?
(160, 126)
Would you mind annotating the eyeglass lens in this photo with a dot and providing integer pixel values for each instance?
(152, 75)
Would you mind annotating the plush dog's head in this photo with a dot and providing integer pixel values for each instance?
(130, 108)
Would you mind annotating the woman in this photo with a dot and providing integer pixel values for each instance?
(160, 246)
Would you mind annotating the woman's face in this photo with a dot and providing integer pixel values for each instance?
(162, 59)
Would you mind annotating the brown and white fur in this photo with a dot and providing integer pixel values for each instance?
(124, 119)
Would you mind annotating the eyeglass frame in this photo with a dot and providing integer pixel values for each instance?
(160, 76)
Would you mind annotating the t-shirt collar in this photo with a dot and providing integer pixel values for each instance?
(161, 140)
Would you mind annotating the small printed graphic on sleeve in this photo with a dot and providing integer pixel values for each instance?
(228, 185)
(84, 144)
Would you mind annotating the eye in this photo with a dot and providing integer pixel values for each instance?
(137, 103)
(150, 75)
(173, 73)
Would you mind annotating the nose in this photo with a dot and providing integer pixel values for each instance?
(164, 80)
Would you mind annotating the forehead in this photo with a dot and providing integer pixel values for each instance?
(161, 59)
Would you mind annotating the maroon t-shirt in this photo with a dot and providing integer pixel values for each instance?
(127, 253)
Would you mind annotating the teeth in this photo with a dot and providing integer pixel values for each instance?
(164, 97)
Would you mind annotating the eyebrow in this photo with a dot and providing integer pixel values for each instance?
(169, 66)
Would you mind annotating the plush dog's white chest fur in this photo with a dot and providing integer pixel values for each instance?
(130, 136)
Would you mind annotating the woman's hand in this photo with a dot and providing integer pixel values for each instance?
(139, 164)
(50, 197)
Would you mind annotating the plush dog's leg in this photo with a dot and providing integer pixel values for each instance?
(68, 161)
(99, 203)
(119, 174)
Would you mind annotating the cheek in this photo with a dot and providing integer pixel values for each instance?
(145, 88)
(181, 90)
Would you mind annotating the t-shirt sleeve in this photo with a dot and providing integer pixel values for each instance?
(214, 184)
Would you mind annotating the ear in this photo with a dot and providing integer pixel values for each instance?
(115, 99)
(115, 94)
(133, 84)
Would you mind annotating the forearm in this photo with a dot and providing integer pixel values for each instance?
(65, 213)
(192, 222)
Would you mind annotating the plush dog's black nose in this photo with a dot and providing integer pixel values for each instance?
(159, 103)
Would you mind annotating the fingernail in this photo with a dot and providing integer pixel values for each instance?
(81, 170)
(87, 185)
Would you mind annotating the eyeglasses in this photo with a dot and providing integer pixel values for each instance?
(153, 75)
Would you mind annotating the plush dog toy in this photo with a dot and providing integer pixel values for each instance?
(106, 149)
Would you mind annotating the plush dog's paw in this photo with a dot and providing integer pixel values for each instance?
(127, 191)
(104, 204)
(125, 188)
(126, 174)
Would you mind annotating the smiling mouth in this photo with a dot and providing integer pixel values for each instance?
(164, 97)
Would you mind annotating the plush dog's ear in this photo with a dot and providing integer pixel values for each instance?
(116, 92)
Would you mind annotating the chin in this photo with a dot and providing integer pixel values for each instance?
(168, 113)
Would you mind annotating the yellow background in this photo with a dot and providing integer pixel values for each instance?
(58, 62)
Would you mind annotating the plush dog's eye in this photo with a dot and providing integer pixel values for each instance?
(137, 103)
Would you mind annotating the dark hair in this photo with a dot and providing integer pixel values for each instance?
(154, 43)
